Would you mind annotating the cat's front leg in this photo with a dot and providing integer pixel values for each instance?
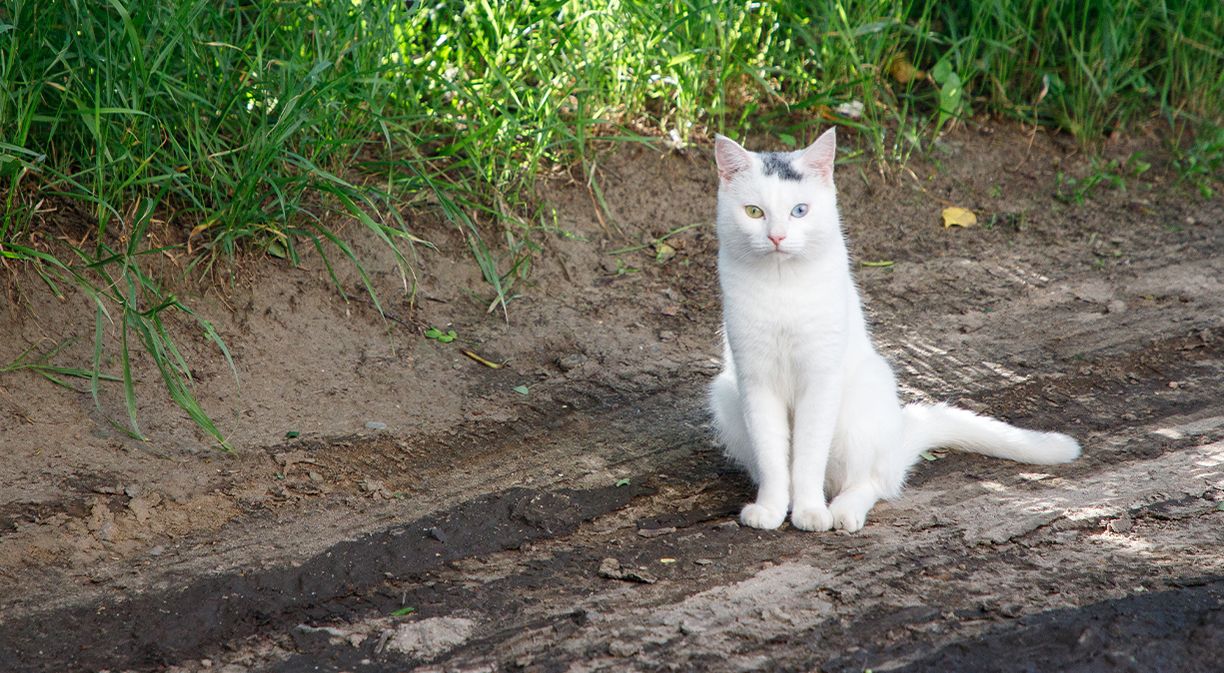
(816, 412)
(765, 414)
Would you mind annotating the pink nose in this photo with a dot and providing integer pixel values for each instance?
(777, 239)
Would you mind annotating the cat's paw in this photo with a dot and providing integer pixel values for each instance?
(760, 516)
(812, 518)
(849, 517)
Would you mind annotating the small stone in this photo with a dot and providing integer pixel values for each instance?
(157, 551)
(1115, 306)
(437, 534)
(610, 568)
(666, 335)
(1174, 385)
(428, 638)
(655, 532)
(1010, 610)
(623, 648)
(702, 561)
(206, 663)
(315, 476)
(375, 425)
(571, 362)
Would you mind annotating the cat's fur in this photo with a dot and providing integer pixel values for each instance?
(804, 402)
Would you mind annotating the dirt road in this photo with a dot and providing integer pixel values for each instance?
(430, 517)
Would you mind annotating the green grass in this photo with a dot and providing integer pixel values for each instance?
(254, 125)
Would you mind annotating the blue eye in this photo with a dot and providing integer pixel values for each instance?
(799, 210)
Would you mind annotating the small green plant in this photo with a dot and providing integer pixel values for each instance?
(440, 336)
(1112, 173)
(1202, 163)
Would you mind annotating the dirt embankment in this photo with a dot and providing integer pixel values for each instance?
(431, 515)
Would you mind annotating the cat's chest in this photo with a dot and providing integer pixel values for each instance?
(790, 305)
(777, 329)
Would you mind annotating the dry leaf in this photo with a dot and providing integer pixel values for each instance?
(958, 217)
(902, 70)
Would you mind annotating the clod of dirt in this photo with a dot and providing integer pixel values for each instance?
(430, 637)
(142, 506)
(375, 488)
(1122, 524)
(289, 458)
(623, 648)
(611, 569)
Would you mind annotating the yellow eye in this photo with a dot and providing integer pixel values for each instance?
(754, 212)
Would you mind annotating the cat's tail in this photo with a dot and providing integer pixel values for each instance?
(930, 426)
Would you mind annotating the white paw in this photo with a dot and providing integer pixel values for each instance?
(760, 516)
(812, 518)
(848, 517)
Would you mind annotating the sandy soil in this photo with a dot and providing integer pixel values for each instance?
(589, 524)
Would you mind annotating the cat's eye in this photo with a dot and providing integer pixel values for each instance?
(754, 212)
(799, 210)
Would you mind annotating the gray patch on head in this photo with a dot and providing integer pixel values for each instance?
(778, 163)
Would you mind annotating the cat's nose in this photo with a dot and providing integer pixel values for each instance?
(777, 239)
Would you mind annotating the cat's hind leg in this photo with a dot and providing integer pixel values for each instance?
(728, 412)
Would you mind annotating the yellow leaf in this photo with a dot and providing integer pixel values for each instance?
(663, 252)
(958, 217)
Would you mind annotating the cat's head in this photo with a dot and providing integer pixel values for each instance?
(776, 205)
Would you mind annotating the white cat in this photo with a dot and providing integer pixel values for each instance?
(804, 402)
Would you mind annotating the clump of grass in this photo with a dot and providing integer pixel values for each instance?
(244, 125)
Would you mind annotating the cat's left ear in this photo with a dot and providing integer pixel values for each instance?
(820, 155)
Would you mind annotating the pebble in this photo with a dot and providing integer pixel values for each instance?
(1116, 306)
(623, 648)
(376, 425)
(571, 361)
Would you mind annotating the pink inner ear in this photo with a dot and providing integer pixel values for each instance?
(731, 158)
(820, 155)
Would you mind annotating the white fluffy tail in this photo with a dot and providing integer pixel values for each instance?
(942, 426)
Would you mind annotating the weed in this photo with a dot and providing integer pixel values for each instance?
(1202, 163)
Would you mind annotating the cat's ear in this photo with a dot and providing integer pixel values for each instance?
(819, 156)
(731, 158)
